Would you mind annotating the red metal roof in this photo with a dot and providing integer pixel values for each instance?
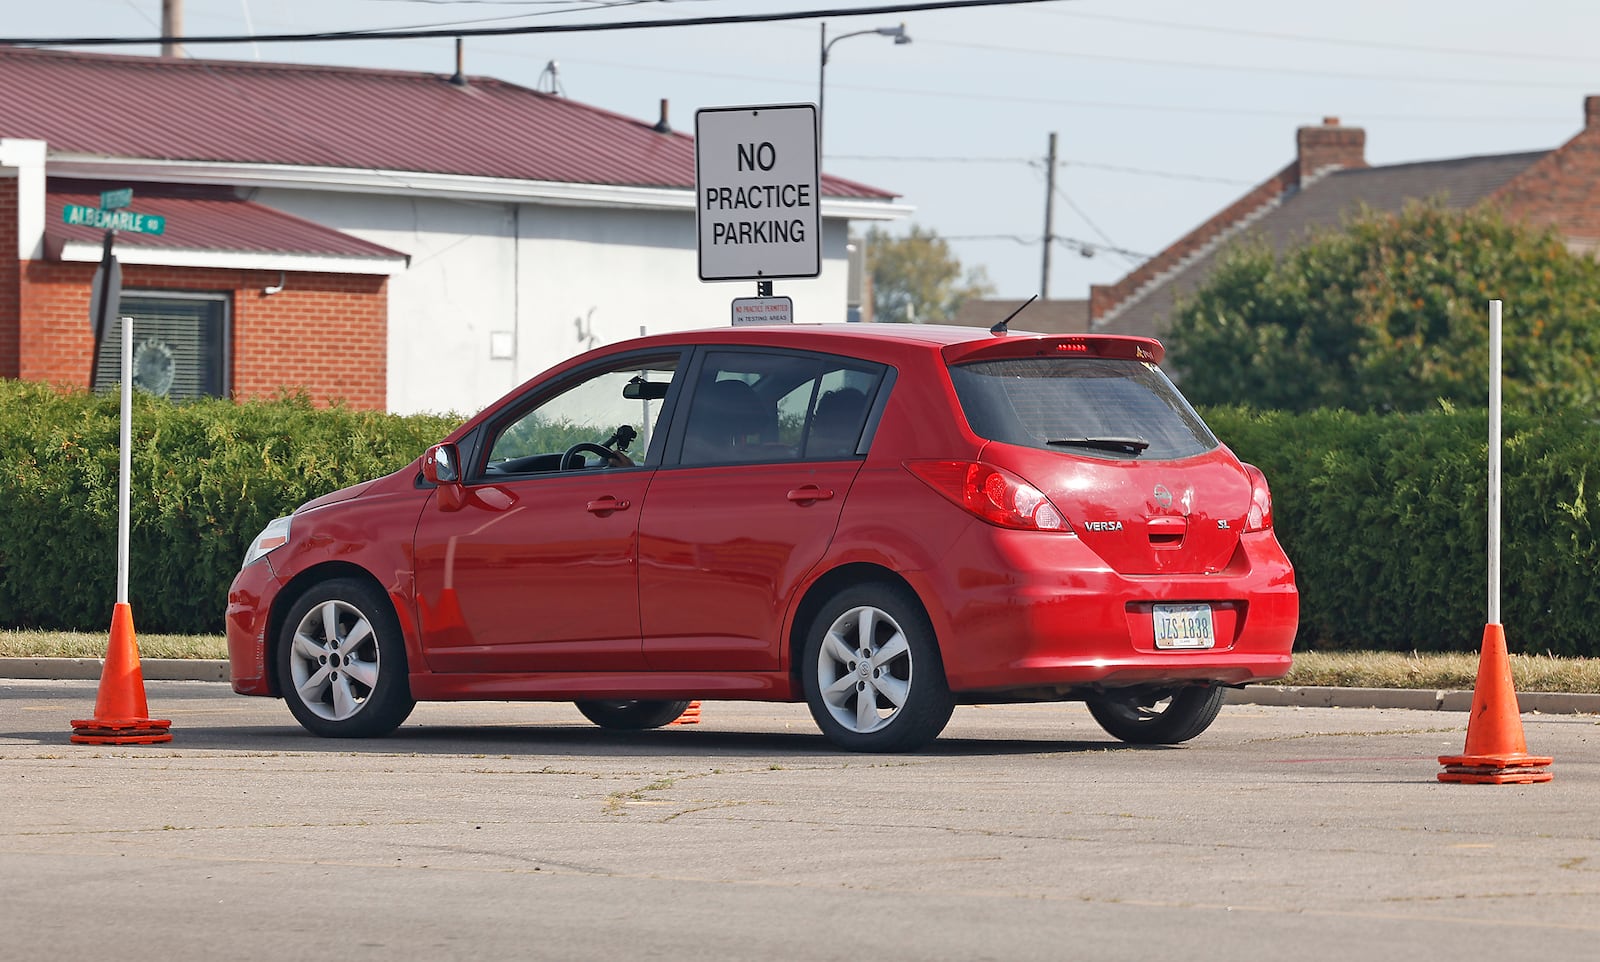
(223, 111)
(200, 218)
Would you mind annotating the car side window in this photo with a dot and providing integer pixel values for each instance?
(614, 409)
(839, 412)
(772, 407)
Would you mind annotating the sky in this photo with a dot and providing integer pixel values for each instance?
(1163, 111)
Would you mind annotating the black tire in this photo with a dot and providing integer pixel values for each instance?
(901, 672)
(632, 716)
(354, 684)
(1138, 717)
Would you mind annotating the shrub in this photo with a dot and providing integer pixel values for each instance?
(206, 476)
(1385, 518)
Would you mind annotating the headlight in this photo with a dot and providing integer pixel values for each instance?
(275, 535)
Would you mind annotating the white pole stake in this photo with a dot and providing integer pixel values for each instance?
(1494, 462)
(125, 467)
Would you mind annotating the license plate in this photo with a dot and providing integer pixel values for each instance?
(1184, 626)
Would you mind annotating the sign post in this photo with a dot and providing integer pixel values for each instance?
(758, 195)
(121, 713)
(1496, 752)
(105, 302)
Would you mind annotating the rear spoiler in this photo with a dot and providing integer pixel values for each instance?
(1057, 345)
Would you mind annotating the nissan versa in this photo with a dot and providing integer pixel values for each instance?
(882, 520)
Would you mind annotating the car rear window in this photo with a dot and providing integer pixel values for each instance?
(1041, 402)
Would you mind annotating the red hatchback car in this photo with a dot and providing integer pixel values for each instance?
(884, 521)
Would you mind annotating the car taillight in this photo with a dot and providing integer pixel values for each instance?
(993, 494)
(1260, 516)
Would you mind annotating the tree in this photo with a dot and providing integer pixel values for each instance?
(916, 278)
(1390, 313)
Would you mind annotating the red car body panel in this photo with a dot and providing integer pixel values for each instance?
(475, 565)
(745, 560)
(696, 582)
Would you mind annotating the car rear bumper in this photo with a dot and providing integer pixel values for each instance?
(1021, 610)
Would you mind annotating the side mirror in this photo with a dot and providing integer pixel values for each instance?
(442, 464)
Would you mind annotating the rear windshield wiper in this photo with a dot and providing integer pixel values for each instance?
(1128, 445)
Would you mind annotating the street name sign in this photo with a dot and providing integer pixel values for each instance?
(757, 194)
(123, 220)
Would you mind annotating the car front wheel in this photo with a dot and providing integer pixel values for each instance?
(342, 662)
(1143, 716)
(872, 673)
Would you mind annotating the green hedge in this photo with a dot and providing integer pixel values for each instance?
(1386, 520)
(206, 476)
(1384, 516)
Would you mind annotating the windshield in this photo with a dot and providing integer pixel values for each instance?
(1100, 407)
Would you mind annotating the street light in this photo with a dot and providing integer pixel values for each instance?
(898, 33)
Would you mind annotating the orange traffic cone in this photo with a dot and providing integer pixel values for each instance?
(690, 716)
(120, 713)
(1496, 752)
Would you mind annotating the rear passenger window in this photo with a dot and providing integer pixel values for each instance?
(769, 406)
(1043, 402)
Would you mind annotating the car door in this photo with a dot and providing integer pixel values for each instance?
(535, 566)
(762, 457)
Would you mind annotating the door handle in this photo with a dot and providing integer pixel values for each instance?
(810, 493)
(605, 506)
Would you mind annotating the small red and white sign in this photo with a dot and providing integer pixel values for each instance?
(763, 310)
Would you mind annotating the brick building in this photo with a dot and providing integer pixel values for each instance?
(391, 239)
(1330, 179)
(223, 302)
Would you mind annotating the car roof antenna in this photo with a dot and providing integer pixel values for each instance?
(1001, 328)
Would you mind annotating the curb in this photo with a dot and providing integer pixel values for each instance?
(1541, 702)
(78, 669)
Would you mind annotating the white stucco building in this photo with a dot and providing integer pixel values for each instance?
(523, 227)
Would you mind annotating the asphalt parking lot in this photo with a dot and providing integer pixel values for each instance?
(492, 830)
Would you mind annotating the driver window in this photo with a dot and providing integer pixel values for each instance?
(615, 409)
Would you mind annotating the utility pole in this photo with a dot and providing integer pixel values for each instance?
(1049, 216)
(171, 27)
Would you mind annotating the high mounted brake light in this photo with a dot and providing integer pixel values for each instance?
(1118, 346)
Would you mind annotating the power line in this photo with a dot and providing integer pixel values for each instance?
(1086, 248)
(1473, 119)
(570, 6)
(1033, 161)
(447, 31)
(1169, 174)
(1476, 119)
(1109, 244)
(1304, 38)
(936, 160)
(1479, 81)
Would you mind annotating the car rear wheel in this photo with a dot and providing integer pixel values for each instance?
(342, 662)
(632, 716)
(872, 673)
(1143, 716)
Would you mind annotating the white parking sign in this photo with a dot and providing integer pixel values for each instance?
(757, 192)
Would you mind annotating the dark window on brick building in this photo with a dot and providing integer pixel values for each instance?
(179, 345)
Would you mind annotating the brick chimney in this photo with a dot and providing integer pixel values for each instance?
(1591, 111)
(1329, 146)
